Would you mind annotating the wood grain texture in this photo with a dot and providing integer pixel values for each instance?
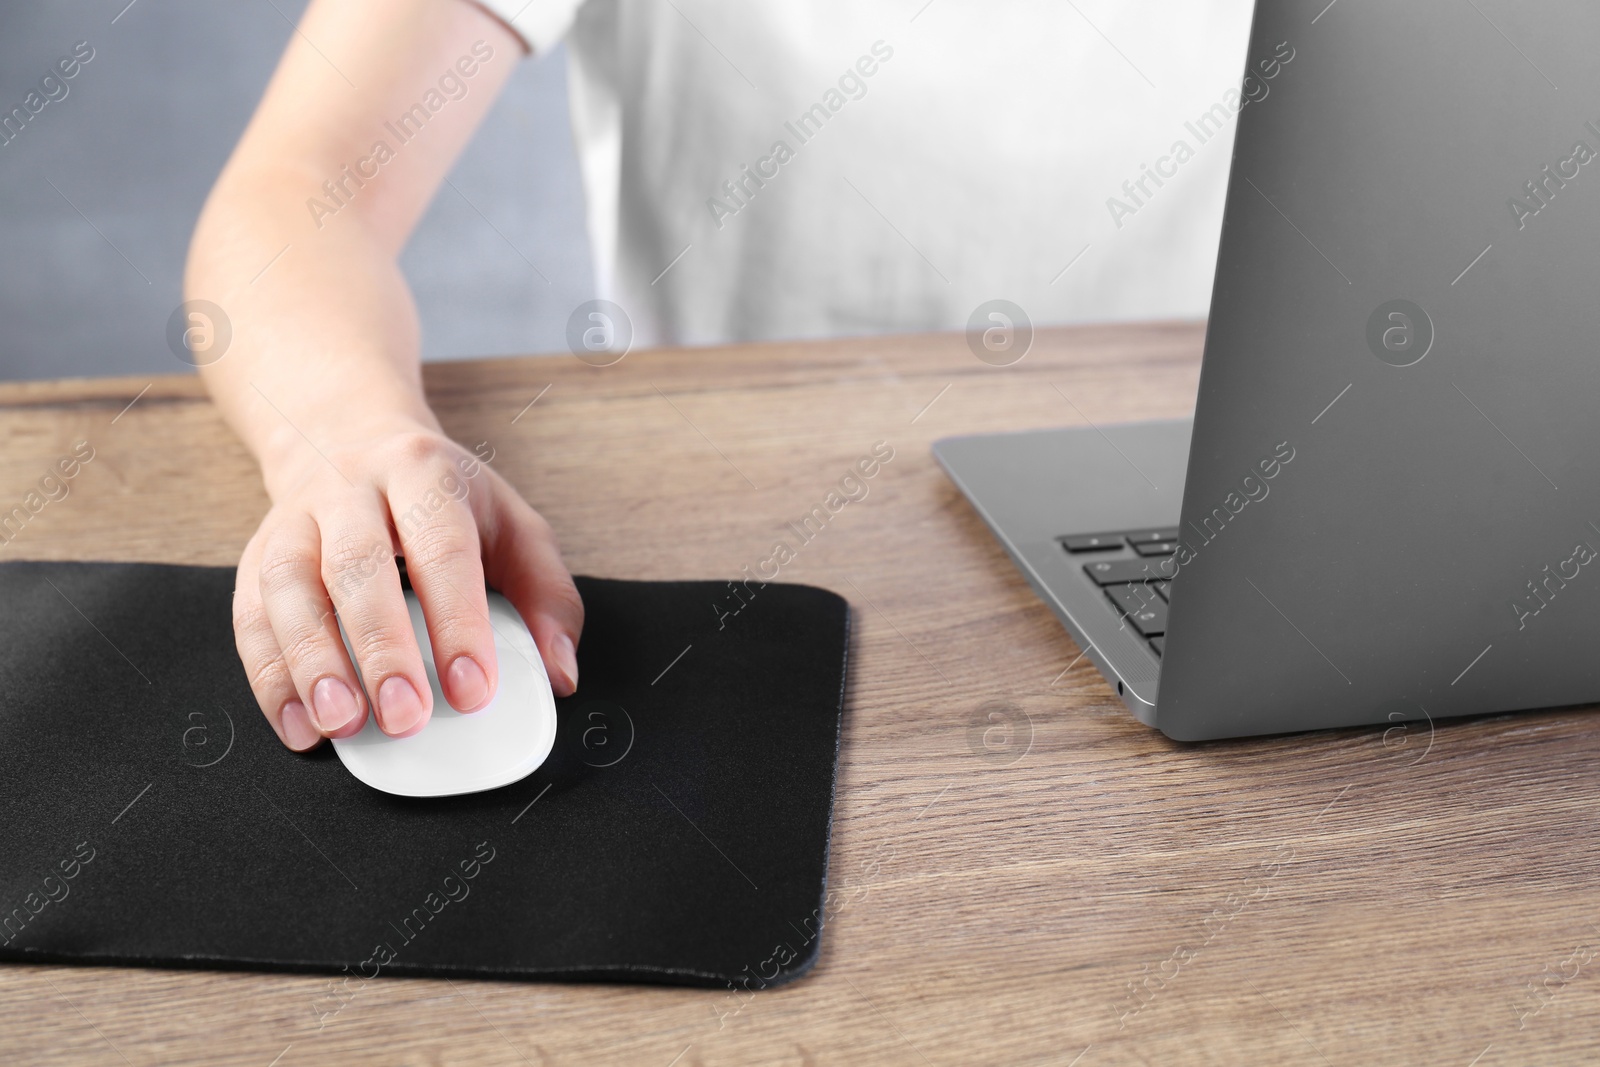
(1076, 890)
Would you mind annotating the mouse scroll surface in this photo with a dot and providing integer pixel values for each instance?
(455, 753)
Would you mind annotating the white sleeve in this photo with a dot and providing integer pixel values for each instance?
(540, 23)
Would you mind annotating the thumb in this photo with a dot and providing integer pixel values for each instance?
(522, 560)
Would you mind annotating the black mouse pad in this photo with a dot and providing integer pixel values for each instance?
(678, 833)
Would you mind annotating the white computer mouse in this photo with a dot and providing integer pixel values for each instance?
(455, 753)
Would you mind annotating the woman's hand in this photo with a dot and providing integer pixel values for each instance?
(326, 551)
(322, 381)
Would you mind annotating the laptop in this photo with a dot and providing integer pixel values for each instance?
(1387, 504)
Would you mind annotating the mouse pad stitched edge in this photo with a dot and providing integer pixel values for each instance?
(678, 833)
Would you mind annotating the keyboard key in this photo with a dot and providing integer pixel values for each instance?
(1091, 542)
(1132, 598)
(1116, 571)
(1156, 548)
(1159, 644)
(1161, 589)
(1151, 621)
(1146, 537)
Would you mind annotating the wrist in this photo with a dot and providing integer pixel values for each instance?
(289, 454)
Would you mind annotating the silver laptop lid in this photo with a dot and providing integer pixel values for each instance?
(1393, 490)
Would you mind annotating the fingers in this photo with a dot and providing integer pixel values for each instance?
(296, 606)
(358, 570)
(263, 662)
(439, 537)
(331, 560)
(522, 560)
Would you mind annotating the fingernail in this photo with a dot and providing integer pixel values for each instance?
(334, 704)
(298, 731)
(468, 684)
(401, 712)
(567, 662)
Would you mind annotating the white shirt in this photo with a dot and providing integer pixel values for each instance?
(951, 153)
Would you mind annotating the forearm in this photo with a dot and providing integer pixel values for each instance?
(298, 247)
(299, 240)
(324, 346)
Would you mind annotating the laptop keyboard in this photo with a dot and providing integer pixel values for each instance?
(1136, 586)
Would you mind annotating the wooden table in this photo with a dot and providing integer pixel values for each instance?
(1031, 876)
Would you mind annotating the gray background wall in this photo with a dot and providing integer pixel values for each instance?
(143, 131)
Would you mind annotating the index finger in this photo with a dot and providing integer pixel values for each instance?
(439, 536)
